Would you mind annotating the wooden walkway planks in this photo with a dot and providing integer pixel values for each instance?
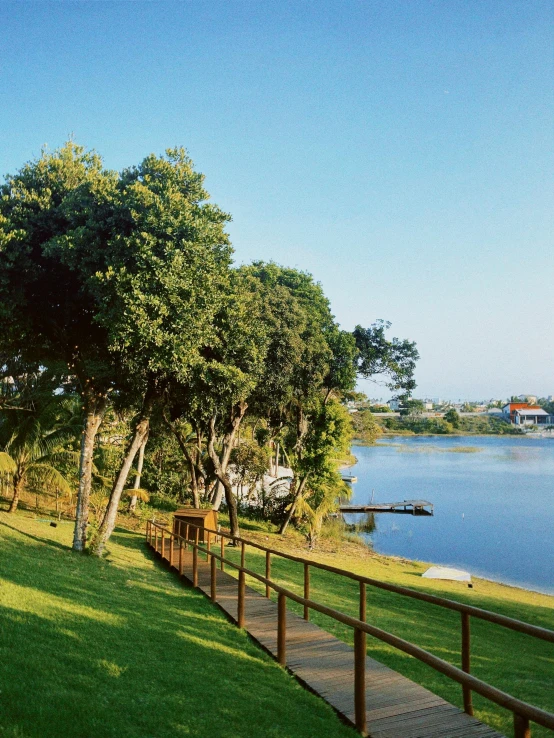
(395, 706)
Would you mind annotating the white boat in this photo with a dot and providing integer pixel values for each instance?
(445, 572)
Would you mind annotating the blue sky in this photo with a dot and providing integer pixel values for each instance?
(400, 151)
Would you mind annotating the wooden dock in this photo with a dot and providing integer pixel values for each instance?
(395, 706)
(406, 507)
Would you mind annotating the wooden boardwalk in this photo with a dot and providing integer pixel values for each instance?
(396, 706)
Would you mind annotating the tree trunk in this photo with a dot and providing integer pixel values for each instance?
(17, 489)
(140, 463)
(216, 503)
(142, 427)
(194, 465)
(220, 464)
(95, 407)
(292, 508)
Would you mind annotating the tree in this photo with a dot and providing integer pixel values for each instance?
(318, 483)
(366, 428)
(46, 313)
(394, 359)
(452, 417)
(33, 441)
(412, 408)
(158, 270)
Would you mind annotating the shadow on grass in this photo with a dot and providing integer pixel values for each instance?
(39, 539)
(93, 648)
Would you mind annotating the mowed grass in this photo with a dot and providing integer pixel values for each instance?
(118, 647)
(519, 664)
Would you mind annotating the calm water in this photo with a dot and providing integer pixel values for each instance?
(494, 509)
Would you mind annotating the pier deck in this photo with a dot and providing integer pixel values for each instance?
(407, 507)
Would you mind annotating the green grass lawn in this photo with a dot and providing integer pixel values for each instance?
(118, 647)
(516, 663)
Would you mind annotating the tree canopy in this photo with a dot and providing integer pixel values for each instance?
(121, 285)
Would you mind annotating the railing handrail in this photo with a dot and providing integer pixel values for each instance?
(493, 617)
(536, 714)
(503, 699)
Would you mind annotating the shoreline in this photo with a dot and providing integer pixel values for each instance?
(476, 577)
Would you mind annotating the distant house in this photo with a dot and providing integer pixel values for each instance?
(523, 413)
(531, 399)
(394, 404)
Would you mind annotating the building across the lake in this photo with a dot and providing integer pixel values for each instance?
(524, 413)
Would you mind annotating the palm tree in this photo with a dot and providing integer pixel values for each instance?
(32, 443)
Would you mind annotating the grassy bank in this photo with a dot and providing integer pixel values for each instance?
(518, 664)
(118, 647)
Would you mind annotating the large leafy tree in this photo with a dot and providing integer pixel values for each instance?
(118, 275)
(46, 313)
(217, 395)
(157, 262)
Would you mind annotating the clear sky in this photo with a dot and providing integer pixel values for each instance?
(400, 151)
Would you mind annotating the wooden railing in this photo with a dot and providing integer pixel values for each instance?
(523, 712)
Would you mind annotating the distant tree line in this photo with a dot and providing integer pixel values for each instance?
(132, 348)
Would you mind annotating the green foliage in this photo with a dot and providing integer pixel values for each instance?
(250, 462)
(121, 282)
(412, 408)
(366, 428)
(326, 441)
(452, 417)
(478, 425)
(394, 359)
(37, 428)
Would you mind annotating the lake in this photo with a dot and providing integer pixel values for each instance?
(494, 507)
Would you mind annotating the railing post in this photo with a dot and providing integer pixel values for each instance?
(171, 545)
(306, 590)
(180, 556)
(222, 565)
(521, 727)
(360, 650)
(163, 542)
(148, 531)
(240, 604)
(186, 535)
(359, 680)
(194, 565)
(282, 629)
(242, 554)
(213, 580)
(362, 616)
(156, 539)
(267, 571)
(208, 546)
(466, 661)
